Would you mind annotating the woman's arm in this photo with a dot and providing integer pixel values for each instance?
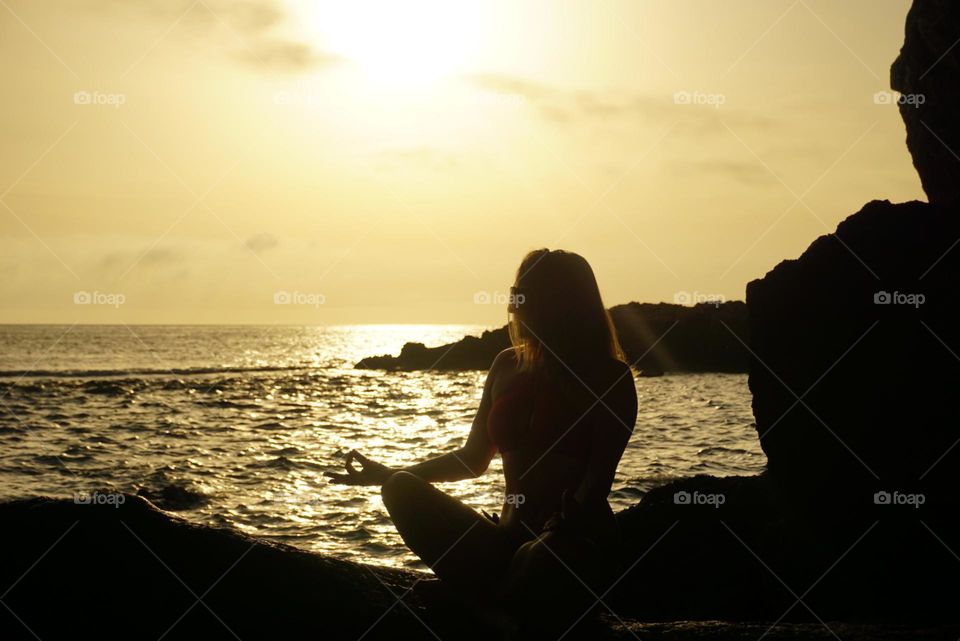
(472, 459)
(469, 461)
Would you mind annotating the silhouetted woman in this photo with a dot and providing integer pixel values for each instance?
(559, 406)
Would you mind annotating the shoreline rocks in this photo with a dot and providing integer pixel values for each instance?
(657, 338)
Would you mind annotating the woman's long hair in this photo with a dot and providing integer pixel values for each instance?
(558, 314)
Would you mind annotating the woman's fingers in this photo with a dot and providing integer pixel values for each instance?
(363, 460)
(348, 461)
(344, 479)
(354, 476)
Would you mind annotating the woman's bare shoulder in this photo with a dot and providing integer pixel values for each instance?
(502, 370)
(507, 357)
(621, 368)
(617, 375)
(613, 370)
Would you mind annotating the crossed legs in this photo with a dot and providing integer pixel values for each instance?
(460, 545)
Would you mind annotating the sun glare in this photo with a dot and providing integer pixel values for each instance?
(401, 43)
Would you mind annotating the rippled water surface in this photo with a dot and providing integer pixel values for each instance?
(238, 424)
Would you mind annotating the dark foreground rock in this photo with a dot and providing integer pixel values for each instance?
(857, 368)
(657, 338)
(732, 549)
(133, 572)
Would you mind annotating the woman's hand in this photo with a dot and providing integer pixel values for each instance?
(370, 472)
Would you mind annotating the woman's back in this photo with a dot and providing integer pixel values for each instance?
(546, 423)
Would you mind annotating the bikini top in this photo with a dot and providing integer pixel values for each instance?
(526, 416)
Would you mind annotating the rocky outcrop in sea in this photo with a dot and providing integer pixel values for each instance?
(657, 338)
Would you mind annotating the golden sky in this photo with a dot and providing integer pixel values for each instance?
(262, 161)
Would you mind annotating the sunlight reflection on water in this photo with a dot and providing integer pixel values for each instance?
(248, 448)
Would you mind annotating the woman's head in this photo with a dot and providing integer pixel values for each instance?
(558, 313)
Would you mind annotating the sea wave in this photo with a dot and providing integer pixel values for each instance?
(247, 446)
(188, 371)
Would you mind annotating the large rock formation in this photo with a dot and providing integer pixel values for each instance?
(133, 572)
(657, 338)
(926, 74)
(856, 343)
(856, 368)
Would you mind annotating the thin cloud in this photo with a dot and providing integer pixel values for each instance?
(250, 21)
(245, 17)
(513, 85)
(564, 106)
(261, 242)
(286, 56)
(742, 172)
(161, 256)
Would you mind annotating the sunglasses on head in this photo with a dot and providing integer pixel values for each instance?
(518, 295)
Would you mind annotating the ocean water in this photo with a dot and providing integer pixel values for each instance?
(238, 424)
